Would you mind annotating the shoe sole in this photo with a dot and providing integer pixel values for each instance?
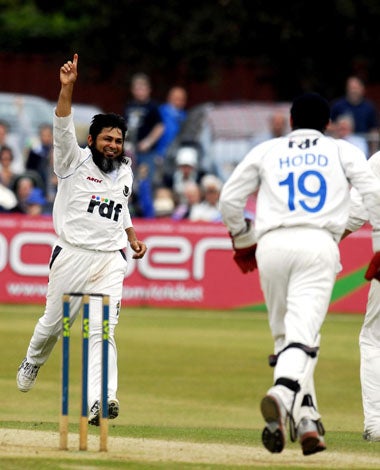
(272, 437)
(311, 443)
(113, 412)
(113, 409)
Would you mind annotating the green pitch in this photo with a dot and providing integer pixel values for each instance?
(191, 376)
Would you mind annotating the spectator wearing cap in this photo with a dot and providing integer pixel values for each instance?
(208, 209)
(187, 169)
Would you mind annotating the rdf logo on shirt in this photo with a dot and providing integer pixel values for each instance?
(106, 207)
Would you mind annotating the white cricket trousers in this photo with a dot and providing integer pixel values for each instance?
(78, 270)
(297, 268)
(369, 342)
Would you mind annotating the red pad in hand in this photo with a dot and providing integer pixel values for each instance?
(245, 258)
(373, 270)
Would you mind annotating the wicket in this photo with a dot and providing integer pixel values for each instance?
(64, 417)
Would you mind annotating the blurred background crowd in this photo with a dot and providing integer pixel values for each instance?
(181, 157)
(199, 83)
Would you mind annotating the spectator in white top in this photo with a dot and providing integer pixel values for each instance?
(186, 170)
(344, 128)
(193, 195)
(208, 209)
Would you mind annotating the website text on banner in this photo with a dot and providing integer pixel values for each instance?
(187, 265)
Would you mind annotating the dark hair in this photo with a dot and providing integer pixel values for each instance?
(5, 149)
(112, 120)
(310, 111)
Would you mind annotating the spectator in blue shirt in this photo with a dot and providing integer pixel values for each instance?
(173, 115)
(362, 110)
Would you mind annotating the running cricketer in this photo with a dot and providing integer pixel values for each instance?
(369, 338)
(302, 183)
(93, 225)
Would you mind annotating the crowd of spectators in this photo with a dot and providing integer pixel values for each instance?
(174, 187)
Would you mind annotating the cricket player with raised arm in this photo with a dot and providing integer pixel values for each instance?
(93, 227)
(302, 183)
(369, 338)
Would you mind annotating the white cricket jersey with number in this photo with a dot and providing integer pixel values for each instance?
(91, 207)
(303, 180)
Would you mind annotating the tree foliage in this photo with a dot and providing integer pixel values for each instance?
(312, 44)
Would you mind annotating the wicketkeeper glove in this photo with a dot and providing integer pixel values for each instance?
(245, 258)
(244, 245)
(373, 270)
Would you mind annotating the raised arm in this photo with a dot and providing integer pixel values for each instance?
(68, 75)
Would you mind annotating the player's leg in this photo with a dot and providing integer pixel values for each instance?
(274, 278)
(311, 276)
(310, 287)
(113, 265)
(369, 341)
(49, 326)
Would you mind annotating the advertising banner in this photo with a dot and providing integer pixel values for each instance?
(187, 265)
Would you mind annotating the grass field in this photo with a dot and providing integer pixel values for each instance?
(190, 384)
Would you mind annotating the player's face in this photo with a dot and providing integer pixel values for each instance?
(109, 142)
(107, 150)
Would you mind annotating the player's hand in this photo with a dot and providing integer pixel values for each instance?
(139, 249)
(245, 258)
(69, 71)
(373, 270)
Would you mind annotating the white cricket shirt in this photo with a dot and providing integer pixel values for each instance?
(358, 212)
(302, 179)
(91, 207)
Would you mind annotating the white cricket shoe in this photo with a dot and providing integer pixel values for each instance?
(310, 436)
(26, 375)
(371, 437)
(275, 414)
(113, 411)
